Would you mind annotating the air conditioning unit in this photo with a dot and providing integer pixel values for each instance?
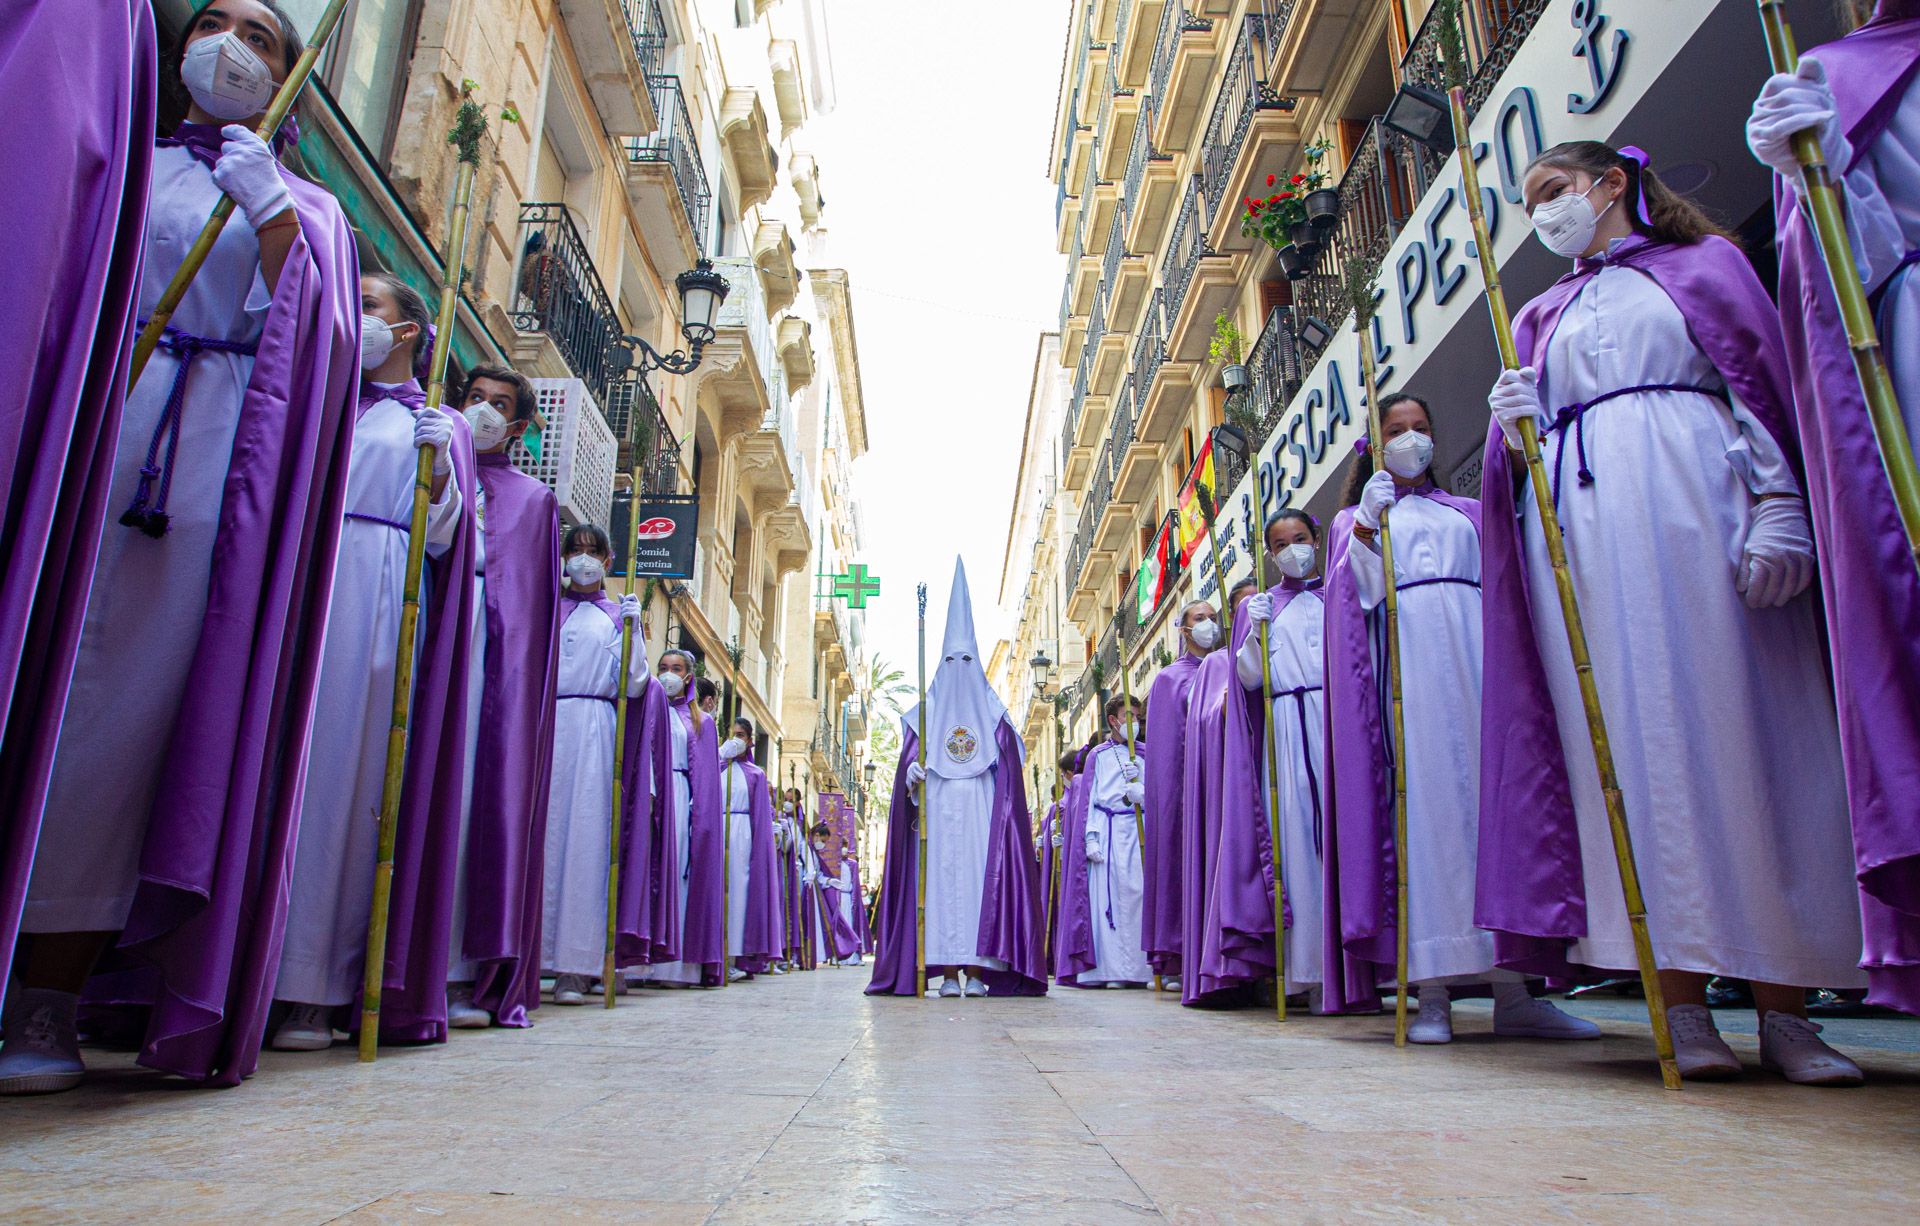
(578, 453)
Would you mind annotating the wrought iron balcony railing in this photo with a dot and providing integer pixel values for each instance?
(1120, 433)
(1186, 249)
(647, 26)
(634, 413)
(1149, 348)
(1382, 183)
(1175, 21)
(1100, 491)
(1243, 91)
(676, 144)
(1139, 154)
(1275, 367)
(558, 293)
(1492, 30)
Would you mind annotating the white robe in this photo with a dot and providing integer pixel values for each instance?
(333, 864)
(1440, 656)
(1721, 717)
(1116, 885)
(1296, 648)
(682, 814)
(459, 968)
(149, 596)
(739, 841)
(959, 822)
(844, 884)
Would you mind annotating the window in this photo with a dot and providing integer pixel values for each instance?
(365, 68)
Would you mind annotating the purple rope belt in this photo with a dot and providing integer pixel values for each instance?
(384, 522)
(1110, 816)
(1575, 415)
(148, 510)
(1299, 696)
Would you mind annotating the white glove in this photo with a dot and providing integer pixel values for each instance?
(732, 749)
(630, 608)
(1130, 769)
(1514, 398)
(247, 170)
(1260, 607)
(1095, 853)
(432, 428)
(1059, 840)
(1790, 103)
(1776, 564)
(1136, 794)
(1375, 497)
(916, 774)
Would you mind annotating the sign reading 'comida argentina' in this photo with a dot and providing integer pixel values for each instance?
(663, 542)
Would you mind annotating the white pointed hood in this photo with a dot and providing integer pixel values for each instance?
(963, 712)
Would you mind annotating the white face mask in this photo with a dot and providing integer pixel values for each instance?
(376, 341)
(585, 570)
(226, 79)
(1409, 454)
(1205, 634)
(673, 684)
(1127, 731)
(489, 426)
(1565, 225)
(1295, 561)
(733, 748)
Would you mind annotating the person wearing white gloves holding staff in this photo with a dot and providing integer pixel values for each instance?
(1655, 373)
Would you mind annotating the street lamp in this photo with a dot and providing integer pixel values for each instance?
(1042, 668)
(702, 290)
(1423, 114)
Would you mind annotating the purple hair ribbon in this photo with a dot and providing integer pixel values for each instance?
(1639, 156)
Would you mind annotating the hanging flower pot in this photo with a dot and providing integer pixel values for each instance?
(1235, 378)
(1323, 208)
(1293, 265)
(1306, 238)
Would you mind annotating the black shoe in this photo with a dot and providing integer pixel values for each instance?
(1727, 993)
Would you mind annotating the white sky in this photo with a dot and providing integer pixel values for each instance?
(933, 166)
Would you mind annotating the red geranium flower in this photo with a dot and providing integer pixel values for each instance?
(1297, 180)
(1269, 180)
(1273, 199)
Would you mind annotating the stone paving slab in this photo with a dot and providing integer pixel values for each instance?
(797, 1099)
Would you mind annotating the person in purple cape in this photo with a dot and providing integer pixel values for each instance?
(1436, 548)
(1293, 613)
(1100, 871)
(833, 934)
(333, 871)
(1051, 841)
(1166, 769)
(1223, 955)
(1862, 94)
(753, 890)
(1656, 370)
(579, 826)
(75, 246)
(493, 971)
(787, 837)
(160, 884)
(688, 845)
(853, 904)
(983, 884)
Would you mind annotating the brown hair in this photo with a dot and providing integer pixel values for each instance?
(524, 401)
(1360, 468)
(1671, 217)
(413, 310)
(1117, 704)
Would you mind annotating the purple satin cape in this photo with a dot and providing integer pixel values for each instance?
(513, 757)
(1530, 890)
(861, 929)
(76, 243)
(702, 939)
(1872, 594)
(1359, 863)
(1166, 754)
(201, 948)
(1010, 894)
(790, 905)
(1073, 950)
(760, 943)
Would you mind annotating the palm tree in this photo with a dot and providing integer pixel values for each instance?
(888, 684)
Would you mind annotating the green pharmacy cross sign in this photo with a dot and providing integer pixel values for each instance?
(855, 587)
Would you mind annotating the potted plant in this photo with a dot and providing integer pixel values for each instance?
(1228, 346)
(1322, 202)
(1272, 221)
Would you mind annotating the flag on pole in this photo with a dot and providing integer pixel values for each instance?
(1193, 523)
(1151, 584)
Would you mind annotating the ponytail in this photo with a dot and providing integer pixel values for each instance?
(1670, 217)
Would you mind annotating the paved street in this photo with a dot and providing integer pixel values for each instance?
(799, 1100)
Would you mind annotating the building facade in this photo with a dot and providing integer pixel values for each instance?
(1170, 117)
(627, 140)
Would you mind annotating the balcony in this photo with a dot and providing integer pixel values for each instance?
(636, 419)
(618, 43)
(1493, 29)
(1384, 179)
(805, 172)
(794, 341)
(666, 180)
(1115, 531)
(1099, 202)
(749, 380)
(749, 150)
(1305, 57)
(1198, 281)
(773, 260)
(1161, 389)
(1135, 461)
(1182, 77)
(558, 298)
(789, 90)
(1252, 132)
(1133, 43)
(1073, 309)
(1149, 189)
(1083, 274)
(1123, 279)
(1119, 115)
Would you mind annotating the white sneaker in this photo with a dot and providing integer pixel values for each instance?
(42, 1050)
(950, 987)
(1433, 1024)
(1698, 1049)
(570, 990)
(307, 1028)
(1170, 984)
(736, 975)
(778, 968)
(1792, 1047)
(462, 1013)
(1530, 1017)
(976, 987)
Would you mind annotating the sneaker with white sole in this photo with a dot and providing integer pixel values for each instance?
(41, 1054)
(307, 1028)
(462, 1013)
(736, 975)
(1792, 1047)
(950, 987)
(570, 990)
(1433, 1025)
(1698, 1050)
(976, 987)
(1530, 1017)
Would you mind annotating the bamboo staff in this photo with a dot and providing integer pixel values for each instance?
(1208, 513)
(468, 128)
(1569, 608)
(920, 878)
(1826, 206)
(1139, 820)
(1273, 771)
(197, 254)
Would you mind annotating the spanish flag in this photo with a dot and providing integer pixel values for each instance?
(1193, 522)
